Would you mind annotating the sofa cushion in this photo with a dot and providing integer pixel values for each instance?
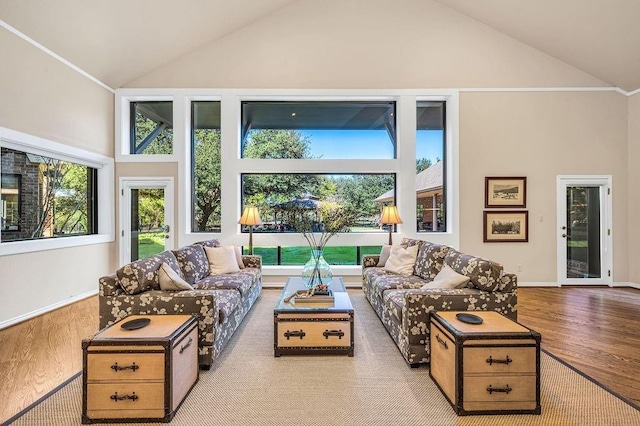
(402, 260)
(384, 254)
(222, 260)
(484, 274)
(240, 281)
(239, 257)
(193, 262)
(448, 278)
(430, 260)
(378, 280)
(408, 242)
(142, 275)
(170, 280)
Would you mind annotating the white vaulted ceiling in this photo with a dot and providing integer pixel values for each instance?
(118, 41)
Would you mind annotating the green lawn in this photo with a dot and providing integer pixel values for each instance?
(152, 243)
(299, 255)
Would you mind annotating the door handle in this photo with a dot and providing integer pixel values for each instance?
(564, 235)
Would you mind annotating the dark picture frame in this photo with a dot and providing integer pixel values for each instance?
(506, 226)
(505, 192)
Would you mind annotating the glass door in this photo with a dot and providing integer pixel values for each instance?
(145, 218)
(584, 235)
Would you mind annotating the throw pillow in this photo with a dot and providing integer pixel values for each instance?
(447, 278)
(384, 255)
(239, 258)
(170, 280)
(222, 260)
(402, 259)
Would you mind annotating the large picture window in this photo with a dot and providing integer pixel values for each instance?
(44, 197)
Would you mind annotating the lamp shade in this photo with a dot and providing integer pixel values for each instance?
(250, 216)
(390, 215)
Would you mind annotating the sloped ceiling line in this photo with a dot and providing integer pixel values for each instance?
(74, 67)
(54, 55)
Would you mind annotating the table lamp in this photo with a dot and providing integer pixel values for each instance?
(250, 217)
(390, 217)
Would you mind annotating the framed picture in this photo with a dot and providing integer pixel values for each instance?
(506, 226)
(505, 192)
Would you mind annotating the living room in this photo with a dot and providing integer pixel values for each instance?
(514, 108)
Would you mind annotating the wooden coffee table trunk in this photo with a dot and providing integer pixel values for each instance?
(310, 328)
(139, 375)
(488, 368)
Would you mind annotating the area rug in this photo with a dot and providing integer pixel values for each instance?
(249, 386)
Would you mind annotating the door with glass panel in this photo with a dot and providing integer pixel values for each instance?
(584, 230)
(145, 217)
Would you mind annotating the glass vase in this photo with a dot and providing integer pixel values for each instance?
(316, 271)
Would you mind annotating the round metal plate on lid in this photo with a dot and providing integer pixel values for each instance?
(469, 318)
(136, 324)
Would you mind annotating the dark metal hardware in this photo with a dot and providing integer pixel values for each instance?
(182, 348)
(564, 235)
(294, 333)
(338, 333)
(504, 390)
(492, 361)
(442, 342)
(117, 398)
(115, 367)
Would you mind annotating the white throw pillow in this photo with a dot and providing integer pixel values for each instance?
(222, 260)
(447, 278)
(170, 280)
(239, 258)
(402, 259)
(384, 255)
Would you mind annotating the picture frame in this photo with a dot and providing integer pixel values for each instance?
(505, 192)
(506, 226)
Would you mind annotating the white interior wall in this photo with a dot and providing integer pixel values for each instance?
(44, 98)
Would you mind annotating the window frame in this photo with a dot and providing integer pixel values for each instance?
(123, 129)
(233, 164)
(105, 191)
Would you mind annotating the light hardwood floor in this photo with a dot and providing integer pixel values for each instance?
(597, 330)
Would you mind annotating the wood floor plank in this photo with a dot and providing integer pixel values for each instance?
(595, 329)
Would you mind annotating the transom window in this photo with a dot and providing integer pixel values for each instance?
(151, 127)
(326, 130)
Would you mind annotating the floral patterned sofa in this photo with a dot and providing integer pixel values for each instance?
(404, 307)
(222, 301)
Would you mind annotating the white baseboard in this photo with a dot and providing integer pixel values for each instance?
(555, 284)
(37, 312)
(538, 284)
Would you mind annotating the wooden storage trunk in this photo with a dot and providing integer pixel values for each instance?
(309, 328)
(488, 368)
(139, 375)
